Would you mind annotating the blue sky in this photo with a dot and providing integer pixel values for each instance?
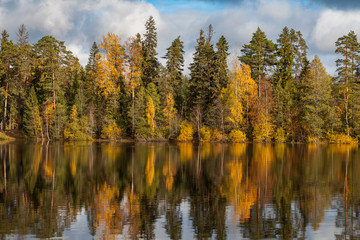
(170, 7)
(81, 22)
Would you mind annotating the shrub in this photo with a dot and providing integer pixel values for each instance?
(186, 132)
(111, 131)
(280, 135)
(313, 139)
(340, 138)
(216, 136)
(237, 136)
(76, 128)
(205, 134)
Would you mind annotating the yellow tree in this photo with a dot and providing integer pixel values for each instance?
(245, 89)
(150, 114)
(170, 111)
(134, 71)
(49, 117)
(109, 65)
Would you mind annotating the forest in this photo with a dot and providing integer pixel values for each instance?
(271, 93)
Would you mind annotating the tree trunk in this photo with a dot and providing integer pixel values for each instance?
(5, 107)
(53, 86)
(346, 93)
(133, 112)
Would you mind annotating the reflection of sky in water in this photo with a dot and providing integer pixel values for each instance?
(79, 228)
(250, 198)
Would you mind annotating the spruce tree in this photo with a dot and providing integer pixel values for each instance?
(315, 100)
(32, 122)
(221, 66)
(174, 67)
(149, 44)
(292, 64)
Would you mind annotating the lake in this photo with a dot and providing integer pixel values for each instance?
(178, 191)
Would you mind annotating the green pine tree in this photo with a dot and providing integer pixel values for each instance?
(150, 62)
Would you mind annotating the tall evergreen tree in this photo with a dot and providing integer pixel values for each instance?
(315, 100)
(292, 64)
(32, 122)
(149, 44)
(348, 47)
(222, 70)
(174, 67)
(259, 54)
(7, 54)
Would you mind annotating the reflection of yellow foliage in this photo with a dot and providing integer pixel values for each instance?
(280, 150)
(36, 159)
(133, 212)
(150, 169)
(342, 148)
(186, 151)
(243, 202)
(48, 168)
(73, 167)
(238, 149)
(263, 157)
(111, 152)
(169, 172)
(235, 169)
(241, 197)
(108, 217)
(205, 150)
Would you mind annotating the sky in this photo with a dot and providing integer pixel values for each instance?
(81, 22)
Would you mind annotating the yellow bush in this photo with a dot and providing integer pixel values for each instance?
(313, 139)
(186, 132)
(237, 136)
(205, 134)
(341, 138)
(280, 135)
(111, 131)
(216, 136)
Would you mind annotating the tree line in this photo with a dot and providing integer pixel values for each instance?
(272, 92)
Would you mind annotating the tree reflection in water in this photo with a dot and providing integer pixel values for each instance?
(164, 190)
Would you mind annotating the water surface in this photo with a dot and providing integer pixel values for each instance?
(179, 191)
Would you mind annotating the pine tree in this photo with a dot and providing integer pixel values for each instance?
(7, 53)
(348, 47)
(150, 61)
(259, 54)
(222, 70)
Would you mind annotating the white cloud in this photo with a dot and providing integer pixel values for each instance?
(333, 24)
(79, 22)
